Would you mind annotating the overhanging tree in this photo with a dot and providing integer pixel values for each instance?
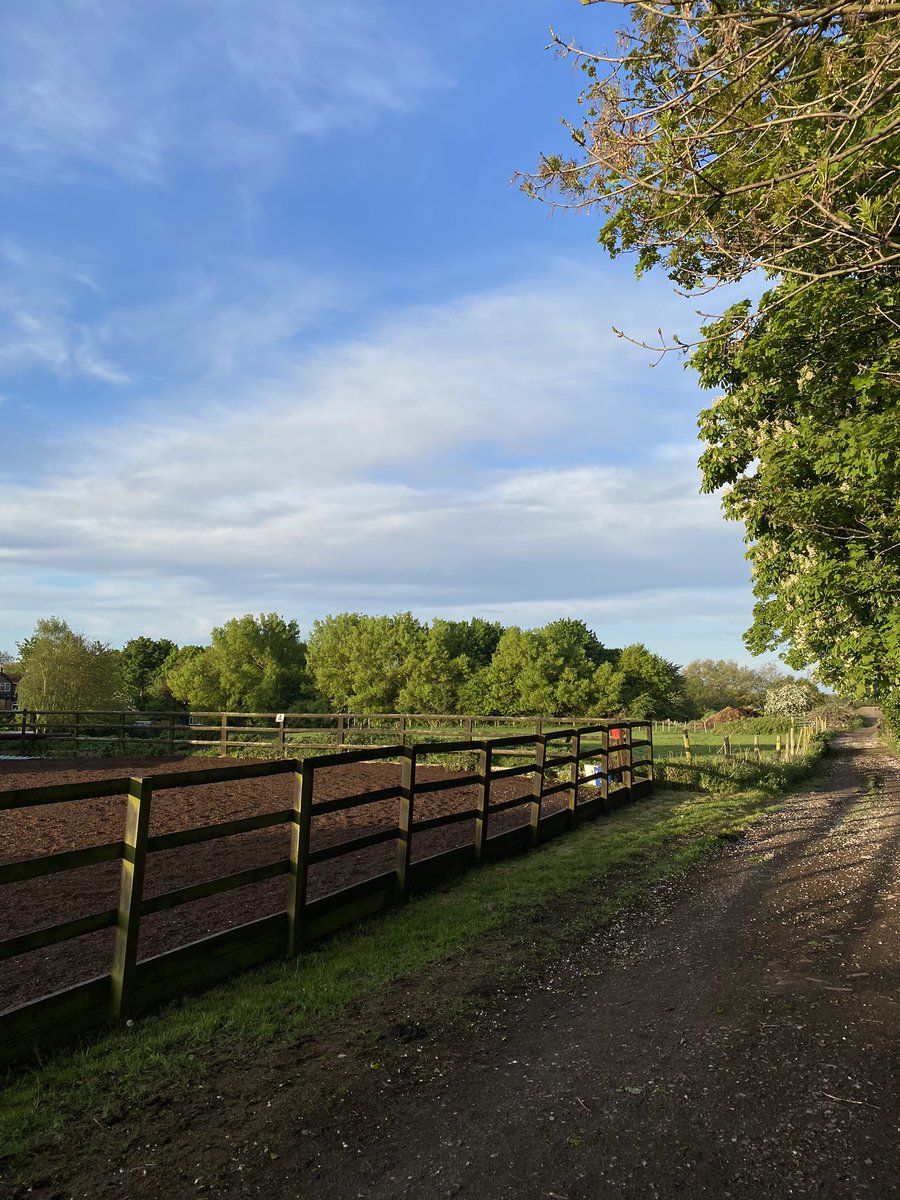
(726, 138)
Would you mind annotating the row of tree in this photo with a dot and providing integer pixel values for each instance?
(353, 662)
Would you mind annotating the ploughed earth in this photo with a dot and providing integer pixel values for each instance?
(53, 828)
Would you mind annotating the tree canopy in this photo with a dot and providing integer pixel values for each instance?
(356, 662)
(712, 684)
(141, 660)
(253, 665)
(65, 671)
(721, 140)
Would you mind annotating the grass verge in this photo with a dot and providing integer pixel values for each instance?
(648, 842)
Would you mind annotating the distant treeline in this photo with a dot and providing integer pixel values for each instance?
(352, 662)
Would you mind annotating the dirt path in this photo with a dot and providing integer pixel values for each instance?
(738, 1038)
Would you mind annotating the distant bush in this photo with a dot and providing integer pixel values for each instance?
(787, 699)
(754, 725)
(837, 716)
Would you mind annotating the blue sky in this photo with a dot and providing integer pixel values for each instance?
(278, 333)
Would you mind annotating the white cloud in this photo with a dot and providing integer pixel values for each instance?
(129, 86)
(497, 451)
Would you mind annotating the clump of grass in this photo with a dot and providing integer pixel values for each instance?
(770, 774)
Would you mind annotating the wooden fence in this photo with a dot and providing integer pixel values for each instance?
(288, 734)
(556, 761)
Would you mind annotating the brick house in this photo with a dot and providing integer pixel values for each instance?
(7, 691)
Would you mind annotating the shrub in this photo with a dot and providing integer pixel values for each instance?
(728, 776)
(787, 700)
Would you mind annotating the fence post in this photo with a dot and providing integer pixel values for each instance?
(650, 771)
(687, 746)
(75, 731)
(304, 781)
(484, 800)
(575, 751)
(405, 830)
(726, 745)
(403, 731)
(756, 745)
(223, 735)
(778, 743)
(537, 791)
(340, 731)
(131, 891)
(24, 729)
(468, 728)
(121, 733)
(172, 734)
(604, 777)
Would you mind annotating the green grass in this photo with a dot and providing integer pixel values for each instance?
(652, 840)
(669, 744)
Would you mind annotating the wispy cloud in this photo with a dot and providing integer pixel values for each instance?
(131, 87)
(40, 296)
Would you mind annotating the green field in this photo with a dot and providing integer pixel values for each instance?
(669, 744)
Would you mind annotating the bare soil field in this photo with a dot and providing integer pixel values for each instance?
(27, 833)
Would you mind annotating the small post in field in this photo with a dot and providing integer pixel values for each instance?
(726, 746)
(778, 743)
(403, 731)
(304, 782)
(131, 890)
(340, 731)
(223, 735)
(756, 744)
(485, 759)
(688, 754)
(404, 829)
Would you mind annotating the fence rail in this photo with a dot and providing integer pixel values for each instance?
(624, 766)
(288, 734)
